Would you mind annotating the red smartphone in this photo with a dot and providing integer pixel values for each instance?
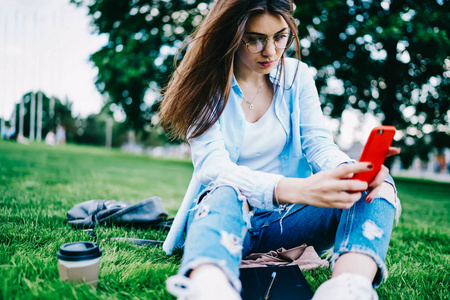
(375, 151)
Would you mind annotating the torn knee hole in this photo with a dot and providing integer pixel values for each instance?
(203, 211)
(371, 230)
(231, 242)
(387, 192)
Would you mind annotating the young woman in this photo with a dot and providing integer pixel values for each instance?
(266, 171)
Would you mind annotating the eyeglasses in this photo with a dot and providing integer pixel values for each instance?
(258, 44)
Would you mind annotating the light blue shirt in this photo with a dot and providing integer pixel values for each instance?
(309, 146)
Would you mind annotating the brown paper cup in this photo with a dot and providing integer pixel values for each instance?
(87, 272)
(79, 262)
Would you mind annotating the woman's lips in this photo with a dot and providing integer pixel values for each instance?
(266, 64)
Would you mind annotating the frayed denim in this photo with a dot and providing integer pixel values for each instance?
(221, 232)
(216, 229)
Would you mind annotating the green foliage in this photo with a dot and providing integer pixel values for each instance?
(92, 131)
(60, 113)
(144, 36)
(392, 58)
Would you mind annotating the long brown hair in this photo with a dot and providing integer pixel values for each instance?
(199, 88)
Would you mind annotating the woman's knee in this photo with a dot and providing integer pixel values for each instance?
(219, 193)
(222, 199)
(387, 192)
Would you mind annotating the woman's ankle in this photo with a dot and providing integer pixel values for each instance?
(207, 269)
(355, 263)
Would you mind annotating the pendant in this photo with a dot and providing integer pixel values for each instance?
(251, 106)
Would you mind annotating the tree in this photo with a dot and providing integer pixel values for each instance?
(92, 130)
(391, 57)
(61, 113)
(143, 38)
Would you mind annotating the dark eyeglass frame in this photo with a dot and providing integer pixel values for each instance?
(264, 44)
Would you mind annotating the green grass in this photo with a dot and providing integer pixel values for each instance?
(39, 184)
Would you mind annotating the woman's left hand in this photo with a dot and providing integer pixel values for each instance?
(375, 184)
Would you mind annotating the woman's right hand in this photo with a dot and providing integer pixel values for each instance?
(332, 188)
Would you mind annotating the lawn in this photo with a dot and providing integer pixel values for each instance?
(39, 184)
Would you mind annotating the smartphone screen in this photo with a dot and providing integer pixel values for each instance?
(375, 151)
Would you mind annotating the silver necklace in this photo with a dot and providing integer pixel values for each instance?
(250, 103)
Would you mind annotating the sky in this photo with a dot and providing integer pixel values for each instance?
(45, 45)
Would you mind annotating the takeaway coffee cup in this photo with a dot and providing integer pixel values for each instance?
(79, 261)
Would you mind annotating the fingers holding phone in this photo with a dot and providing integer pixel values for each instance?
(375, 151)
(376, 183)
(393, 151)
(331, 188)
(377, 148)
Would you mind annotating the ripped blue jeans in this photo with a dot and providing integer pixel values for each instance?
(221, 232)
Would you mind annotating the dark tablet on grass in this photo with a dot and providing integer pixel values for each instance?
(289, 283)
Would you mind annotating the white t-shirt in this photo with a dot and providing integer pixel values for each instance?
(267, 133)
